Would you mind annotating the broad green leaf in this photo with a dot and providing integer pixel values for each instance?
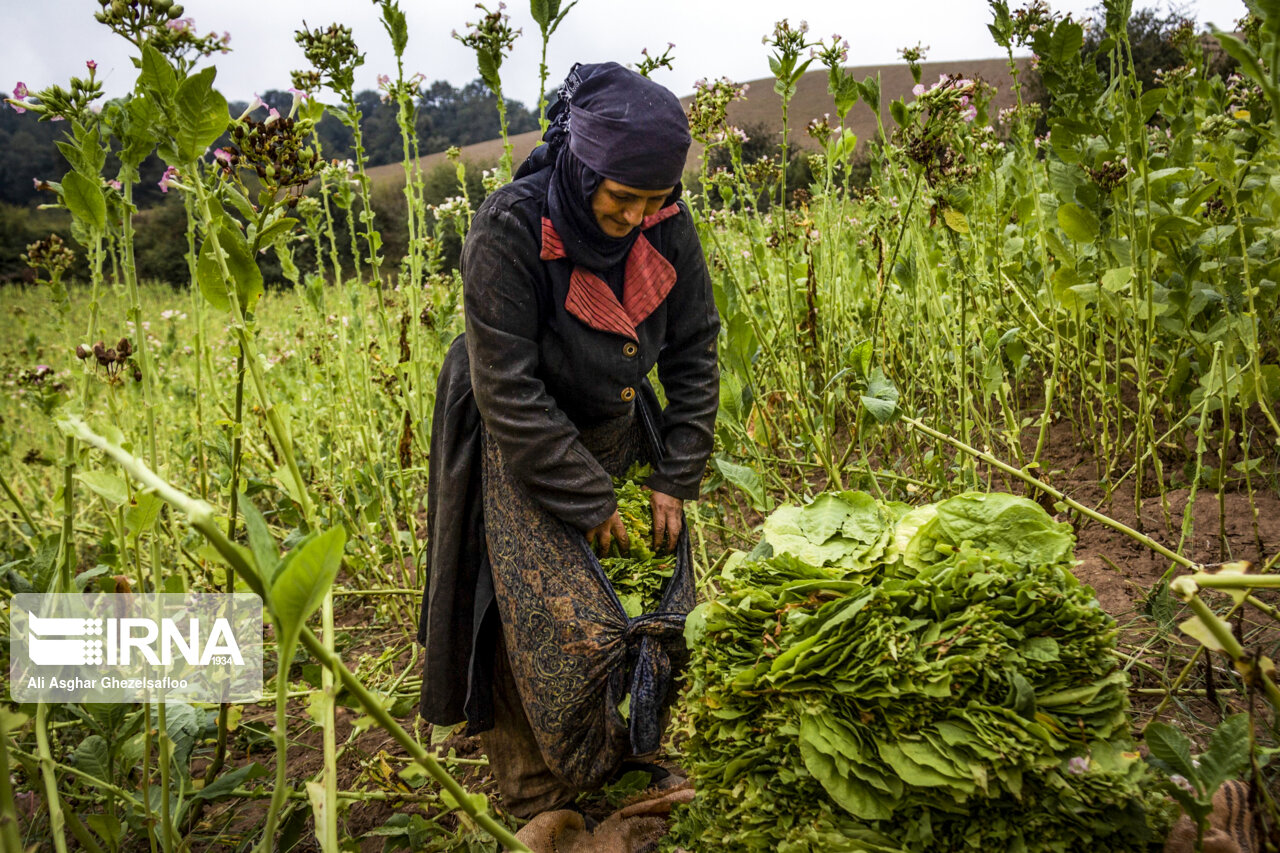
(92, 755)
(881, 399)
(1198, 631)
(230, 780)
(1117, 279)
(851, 794)
(541, 11)
(744, 478)
(158, 76)
(863, 521)
(1172, 747)
(275, 231)
(201, 113)
(184, 725)
(241, 265)
(1080, 224)
(821, 519)
(142, 513)
(1016, 527)
(109, 487)
(955, 220)
(261, 542)
(304, 576)
(1228, 752)
(85, 200)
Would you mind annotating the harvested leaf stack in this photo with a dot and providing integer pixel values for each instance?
(880, 678)
(639, 574)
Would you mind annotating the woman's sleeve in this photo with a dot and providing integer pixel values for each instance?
(688, 370)
(538, 441)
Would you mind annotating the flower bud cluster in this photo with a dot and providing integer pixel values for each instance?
(275, 149)
(160, 24)
(306, 82)
(1109, 174)
(333, 53)
(137, 12)
(115, 359)
(50, 254)
(492, 34)
(649, 64)
(1030, 20)
(710, 107)
(55, 103)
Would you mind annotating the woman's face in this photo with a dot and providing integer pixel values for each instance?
(619, 208)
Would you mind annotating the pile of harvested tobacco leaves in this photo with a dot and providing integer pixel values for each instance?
(880, 678)
(638, 574)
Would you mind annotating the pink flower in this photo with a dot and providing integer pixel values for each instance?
(115, 185)
(917, 89)
(273, 113)
(20, 91)
(384, 80)
(969, 114)
(222, 156)
(91, 65)
(299, 94)
(168, 175)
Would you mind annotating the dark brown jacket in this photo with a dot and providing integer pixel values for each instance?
(549, 348)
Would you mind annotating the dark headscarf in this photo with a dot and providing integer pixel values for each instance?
(609, 122)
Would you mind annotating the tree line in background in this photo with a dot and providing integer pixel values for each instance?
(446, 116)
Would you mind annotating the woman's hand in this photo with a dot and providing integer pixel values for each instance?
(666, 520)
(603, 535)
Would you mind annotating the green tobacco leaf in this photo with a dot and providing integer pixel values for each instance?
(158, 76)
(109, 487)
(241, 265)
(863, 521)
(881, 399)
(1014, 526)
(541, 10)
(1170, 746)
(1080, 224)
(183, 725)
(744, 478)
(92, 755)
(260, 540)
(201, 114)
(820, 520)
(230, 780)
(142, 513)
(850, 793)
(275, 231)
(1228, 752)
(304, 576)
(85, 200)
(955, 220)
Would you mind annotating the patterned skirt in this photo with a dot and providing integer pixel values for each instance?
(573, 651)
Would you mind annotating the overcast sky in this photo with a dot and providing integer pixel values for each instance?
(47, 41)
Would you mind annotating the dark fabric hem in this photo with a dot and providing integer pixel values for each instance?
(659, 483)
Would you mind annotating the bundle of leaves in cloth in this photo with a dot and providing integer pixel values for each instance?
(880, 678)
(638, 574)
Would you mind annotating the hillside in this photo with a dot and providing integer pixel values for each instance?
(763, 106)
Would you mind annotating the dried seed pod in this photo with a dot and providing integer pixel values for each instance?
(82, 352)
(137, 375)
(124, 347)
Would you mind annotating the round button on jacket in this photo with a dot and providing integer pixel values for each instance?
(628, 394)
(629, 349)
